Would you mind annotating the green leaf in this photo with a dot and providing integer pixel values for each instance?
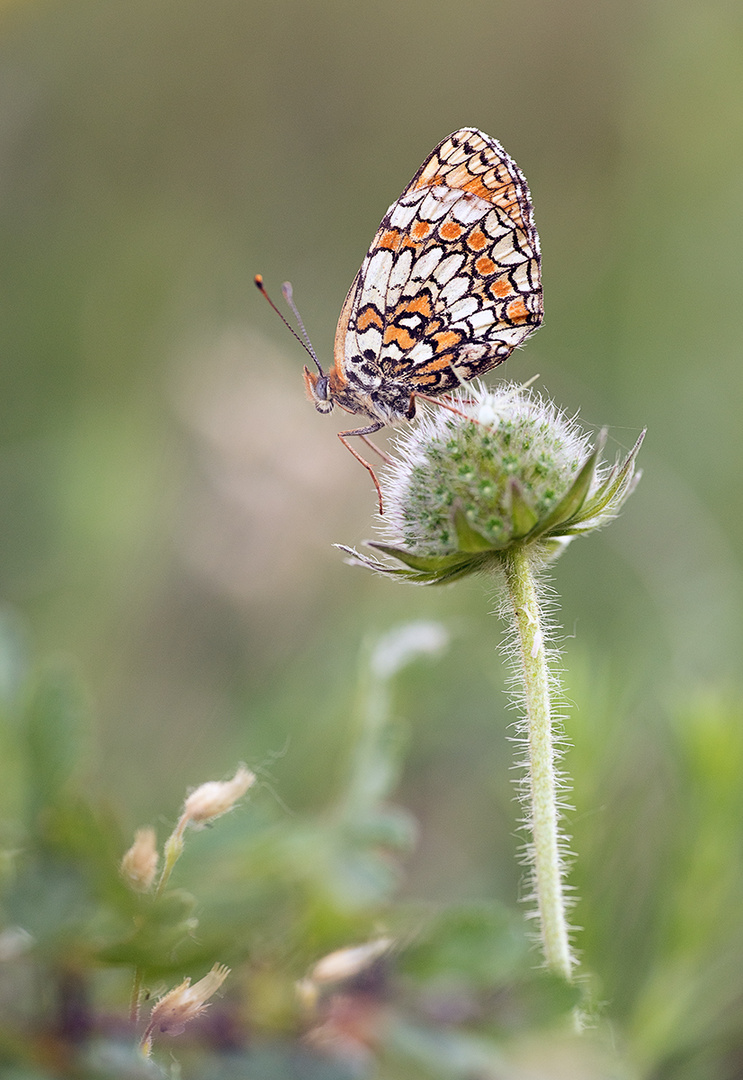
(391, 828)
(162, 926)
(57, 724)
(474, 944)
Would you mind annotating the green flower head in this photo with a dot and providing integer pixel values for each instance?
(498, 468)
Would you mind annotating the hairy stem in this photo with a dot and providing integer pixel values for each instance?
(134, 999)
(543, 814)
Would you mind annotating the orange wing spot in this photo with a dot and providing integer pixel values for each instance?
(420, 304)
(438, 364)
(484, 265)
(390, 240)
(420, 230)
(447, 339)
(441, 362)
(500, 288)
(516, 311)
(398, 335)
(477, 240)
(450, 230)
(369, 317)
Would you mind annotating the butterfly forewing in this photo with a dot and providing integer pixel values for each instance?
(451, 283)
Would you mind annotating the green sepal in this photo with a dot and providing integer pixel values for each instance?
(433, 569)
(572, 502)
(618, 485)
(523, 516)
(468, 538)
(357, 559)
(425, 563)
(462, 568)
(429, 570)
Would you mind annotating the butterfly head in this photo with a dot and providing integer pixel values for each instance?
(318, 390)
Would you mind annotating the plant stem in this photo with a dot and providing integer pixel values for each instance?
(173, 850)
(134, 1000)
(543, 814)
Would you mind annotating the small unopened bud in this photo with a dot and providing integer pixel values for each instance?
(345, 964)
(216, 797)
(184, 1003)
(139, 865)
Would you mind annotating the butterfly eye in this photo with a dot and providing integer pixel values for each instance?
(318, 391)
(321, 393)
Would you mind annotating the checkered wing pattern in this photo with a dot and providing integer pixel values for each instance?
(451, 283)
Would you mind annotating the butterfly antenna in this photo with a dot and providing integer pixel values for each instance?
(287, 291)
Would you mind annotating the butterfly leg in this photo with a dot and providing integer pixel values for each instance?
(362, 433)
(377, 450)
(445, 403)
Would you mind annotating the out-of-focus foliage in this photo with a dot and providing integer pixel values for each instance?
(453, 991)
(266, 891)
(169, 500)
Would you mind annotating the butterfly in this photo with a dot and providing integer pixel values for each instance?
(450, 286)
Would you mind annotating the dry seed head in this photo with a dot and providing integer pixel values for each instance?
(185, 1002)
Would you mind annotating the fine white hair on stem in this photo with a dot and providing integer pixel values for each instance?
(545, 632)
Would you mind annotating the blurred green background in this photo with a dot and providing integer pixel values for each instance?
(169, 500)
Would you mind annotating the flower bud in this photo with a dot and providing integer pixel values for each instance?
(216, 797)
(139, 865)
(509, 441)
(346, 963)
(497, 468)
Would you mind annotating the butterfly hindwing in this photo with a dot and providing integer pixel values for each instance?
(451, 283)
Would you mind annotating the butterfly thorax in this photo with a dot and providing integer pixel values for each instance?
(363, 390)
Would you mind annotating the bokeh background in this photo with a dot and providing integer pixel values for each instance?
(169, 500)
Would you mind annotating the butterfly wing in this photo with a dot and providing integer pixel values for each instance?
(451, 284)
